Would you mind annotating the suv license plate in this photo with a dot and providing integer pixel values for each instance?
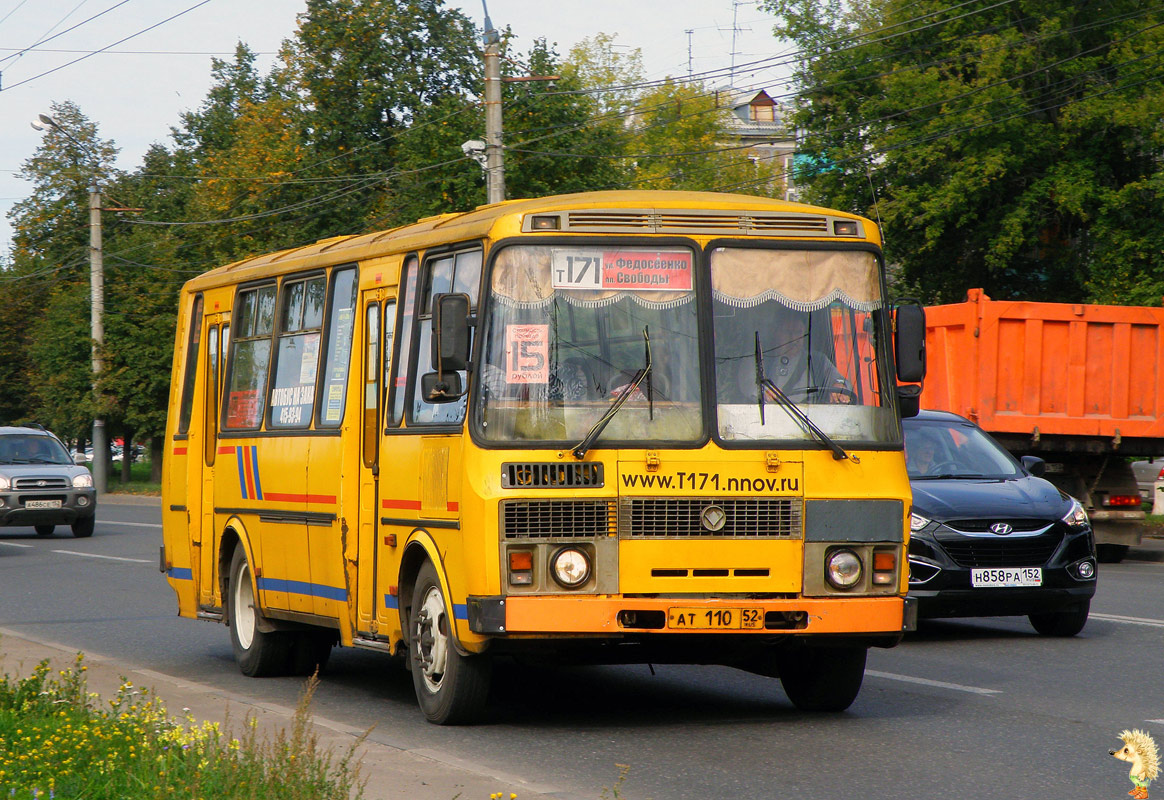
(1002, 577)
(714, 618)
(42, 503)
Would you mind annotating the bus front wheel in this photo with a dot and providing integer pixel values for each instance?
(451, 688)
(258, 654)
(822, 678)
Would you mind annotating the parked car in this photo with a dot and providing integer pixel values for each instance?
(989, 537)
(1147, 473)
(40, 486)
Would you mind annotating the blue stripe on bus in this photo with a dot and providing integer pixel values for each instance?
(255, 469)
(242, 475)
(459, 611)
(302, 587)
(181, 573)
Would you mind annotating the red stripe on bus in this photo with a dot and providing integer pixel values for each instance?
(179, 451)
(250, 477)
(322, 499)
(414, 505)
(227, 450)
(410, 504)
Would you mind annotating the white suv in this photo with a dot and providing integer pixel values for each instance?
(40, 485)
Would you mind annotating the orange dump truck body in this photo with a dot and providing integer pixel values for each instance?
(1049, 370)
(1078, 385)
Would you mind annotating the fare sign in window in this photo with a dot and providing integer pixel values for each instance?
(625, 270)
(527, 353)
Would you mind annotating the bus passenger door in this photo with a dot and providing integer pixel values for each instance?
(217, 333)
(379, 319)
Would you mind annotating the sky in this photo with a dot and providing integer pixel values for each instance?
(155, 56)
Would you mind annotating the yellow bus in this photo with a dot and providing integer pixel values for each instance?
(632, 427)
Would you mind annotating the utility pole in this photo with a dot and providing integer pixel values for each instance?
(97, 331)
(689, 32)
(494, 155)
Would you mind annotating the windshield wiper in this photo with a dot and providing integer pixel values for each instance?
(947, 476)
(764, 383)
(580, 449)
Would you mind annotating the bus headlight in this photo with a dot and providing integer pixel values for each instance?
(843, 569)
(570, 567)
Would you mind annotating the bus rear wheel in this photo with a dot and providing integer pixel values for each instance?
(822, 678)
(259, 654)
(451, 688)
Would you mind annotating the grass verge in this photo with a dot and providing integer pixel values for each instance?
(57, 740)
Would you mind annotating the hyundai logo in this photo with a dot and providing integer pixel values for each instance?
(1001, 528)
(713, 518)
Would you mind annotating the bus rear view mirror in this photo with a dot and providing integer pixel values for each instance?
(441, 388)
(450, 332)
(909, 341)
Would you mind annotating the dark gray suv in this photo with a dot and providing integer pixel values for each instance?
(40, 486)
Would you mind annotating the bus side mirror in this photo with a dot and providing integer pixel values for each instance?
(909, 400)
(439, 387)
(909, 342)
(450, 332)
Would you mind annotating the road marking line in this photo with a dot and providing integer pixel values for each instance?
(927, 682)
(1151, 623)
(14, 544)
(133, 524)
(96, 555)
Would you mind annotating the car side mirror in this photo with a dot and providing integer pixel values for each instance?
(1034, 465)
(909, 341)
(450, 332)
(79, 459)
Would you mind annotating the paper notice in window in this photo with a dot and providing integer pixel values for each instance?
(527, 353)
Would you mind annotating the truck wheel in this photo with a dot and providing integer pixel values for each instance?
(822, 679)
(45, 530)
(450, 688)
(1061, 623)
(83, 528)
(1110, 553)
(258, 654)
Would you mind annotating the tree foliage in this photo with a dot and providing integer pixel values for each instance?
(1014, 146)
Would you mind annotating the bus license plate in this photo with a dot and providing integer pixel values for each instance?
(1002, 577)
(42, 503)
(715, 618)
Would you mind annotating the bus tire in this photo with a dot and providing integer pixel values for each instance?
(822, 678)
(45, 530)
(258, 654)
(83, 528)
(450, 688)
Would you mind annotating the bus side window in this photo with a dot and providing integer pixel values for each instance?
(250, 355)
(397, 388)
(210, 414)
(372, 374)
(191, 366)
(460, 272)
(297, 362)
(340, 326)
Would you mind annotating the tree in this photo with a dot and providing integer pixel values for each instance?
(1013, 146)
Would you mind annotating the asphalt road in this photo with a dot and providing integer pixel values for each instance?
(977, 709)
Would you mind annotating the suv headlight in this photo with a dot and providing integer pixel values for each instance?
(83, 481)
(1076, 517)
(917, 522)
(5, 484)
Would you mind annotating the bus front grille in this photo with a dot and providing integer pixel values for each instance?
(550, 519)
(749, 518)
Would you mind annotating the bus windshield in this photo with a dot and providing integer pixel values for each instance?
(802, 327)
(570, 326)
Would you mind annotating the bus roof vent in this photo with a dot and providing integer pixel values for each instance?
(729, 223)
(551, 475)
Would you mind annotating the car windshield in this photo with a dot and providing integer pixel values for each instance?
(20, 448)
(811, 324)
(570, 327)
(940, 449)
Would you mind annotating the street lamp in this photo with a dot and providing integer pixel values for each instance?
(96, 307)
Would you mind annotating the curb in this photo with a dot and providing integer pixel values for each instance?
(129, 499)
(392, 769)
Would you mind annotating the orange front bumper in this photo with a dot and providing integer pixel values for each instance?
(603, 614)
